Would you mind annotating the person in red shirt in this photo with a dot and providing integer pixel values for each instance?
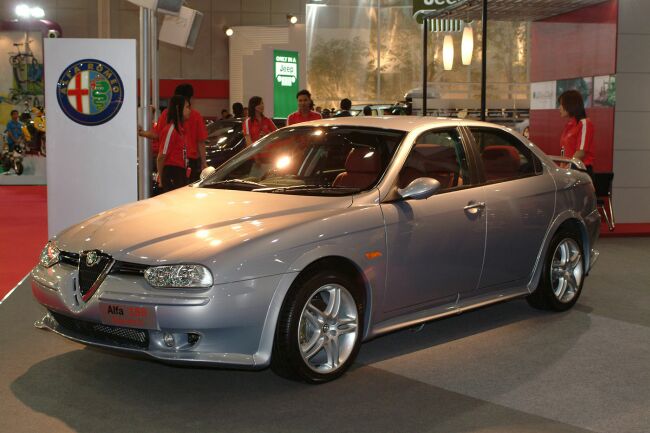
(577, 139)
(195, 132)
(172, 161)
(304, 113)
(257, 125)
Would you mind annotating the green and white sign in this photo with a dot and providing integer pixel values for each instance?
(285, 82)
(430, 5)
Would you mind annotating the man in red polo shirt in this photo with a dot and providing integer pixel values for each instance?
(304, 113)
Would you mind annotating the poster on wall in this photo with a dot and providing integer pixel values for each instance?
(605, 91)
(583, 85)
(543, 96)
(22, 114)
(285, 82)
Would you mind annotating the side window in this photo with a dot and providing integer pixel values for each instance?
(504, 156)
(439, 155)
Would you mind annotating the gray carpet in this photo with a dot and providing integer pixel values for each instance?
(505, 368)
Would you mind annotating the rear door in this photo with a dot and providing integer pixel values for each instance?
(520, 202)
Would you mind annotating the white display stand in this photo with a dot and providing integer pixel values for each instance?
(89, 168)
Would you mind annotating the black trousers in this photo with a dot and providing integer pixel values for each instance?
(173, 177)
(195, 169)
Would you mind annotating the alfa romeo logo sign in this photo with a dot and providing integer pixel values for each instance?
(90, 92)
(92, 258)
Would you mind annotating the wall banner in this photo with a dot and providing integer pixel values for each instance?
(285, 82)
(91, 98)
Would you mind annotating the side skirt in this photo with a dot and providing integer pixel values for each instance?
(418, 317)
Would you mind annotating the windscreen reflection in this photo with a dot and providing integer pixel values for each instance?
(327, 160)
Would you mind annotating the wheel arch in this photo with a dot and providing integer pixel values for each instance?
(569, 220)
(289, 282)
(348, 267)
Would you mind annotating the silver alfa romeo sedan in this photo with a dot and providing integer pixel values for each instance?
(320, 236)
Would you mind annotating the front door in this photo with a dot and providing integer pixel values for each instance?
(435, 246)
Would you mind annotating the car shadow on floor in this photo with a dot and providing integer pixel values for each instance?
(96, 391)
(445, 330)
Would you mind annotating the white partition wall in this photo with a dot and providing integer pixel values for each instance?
(632, 123)
(91, 99)
(251, 61)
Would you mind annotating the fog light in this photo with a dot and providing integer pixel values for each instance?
(168, 339)
(192, 338)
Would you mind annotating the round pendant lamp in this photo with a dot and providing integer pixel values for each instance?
(467, 45)
(448, 53)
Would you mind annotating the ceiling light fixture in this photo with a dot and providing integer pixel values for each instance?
(37, 12)
(22, 11)
(467, 44)
(229, 31)
(448, 53)
(292, 18)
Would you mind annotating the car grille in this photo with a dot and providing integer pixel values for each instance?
(91, 275)
(113, 335)
(119, 267)
(69, 258)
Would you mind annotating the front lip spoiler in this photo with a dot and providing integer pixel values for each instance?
(227, 360)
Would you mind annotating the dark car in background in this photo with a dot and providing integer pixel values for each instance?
(225, 139)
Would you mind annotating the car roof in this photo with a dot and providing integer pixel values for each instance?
(401, 123)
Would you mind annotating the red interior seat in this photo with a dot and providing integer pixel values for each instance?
(500, 162)
(362, 167)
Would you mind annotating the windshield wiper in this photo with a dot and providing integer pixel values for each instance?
(322, 189)
(240, 184)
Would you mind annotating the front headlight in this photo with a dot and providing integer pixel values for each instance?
(179, 276)
(49, 255)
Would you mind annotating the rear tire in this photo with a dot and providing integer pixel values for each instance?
(563, 274)
(319, 328)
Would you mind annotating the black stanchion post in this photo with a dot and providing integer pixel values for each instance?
(484, 60)
(425, 49)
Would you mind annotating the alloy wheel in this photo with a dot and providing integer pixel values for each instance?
(567, 270)
(328, 328)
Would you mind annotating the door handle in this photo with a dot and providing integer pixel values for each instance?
(474, 208)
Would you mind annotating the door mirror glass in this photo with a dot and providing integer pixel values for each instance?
(420, 188)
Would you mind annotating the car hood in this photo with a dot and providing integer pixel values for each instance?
(193, 223)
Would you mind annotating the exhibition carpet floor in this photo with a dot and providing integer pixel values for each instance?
(23, 232)
(502, 369)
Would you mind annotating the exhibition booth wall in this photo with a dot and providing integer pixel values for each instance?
(575, 50)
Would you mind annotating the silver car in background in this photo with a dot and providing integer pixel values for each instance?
(320, 236)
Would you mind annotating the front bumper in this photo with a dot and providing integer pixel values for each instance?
(225, 325)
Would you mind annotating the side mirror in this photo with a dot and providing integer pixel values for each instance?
(207, 171)
(420, 188)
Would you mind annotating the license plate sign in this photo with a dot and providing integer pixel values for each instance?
(128, 316)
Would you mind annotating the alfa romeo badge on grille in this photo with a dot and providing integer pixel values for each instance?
(92, 258)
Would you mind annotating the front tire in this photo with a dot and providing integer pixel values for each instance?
(319, 328)
(563, 274)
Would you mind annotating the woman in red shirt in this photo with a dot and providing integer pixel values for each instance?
(172, 156)
(257, 125)
(577, 139)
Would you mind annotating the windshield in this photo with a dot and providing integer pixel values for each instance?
(310, 160)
